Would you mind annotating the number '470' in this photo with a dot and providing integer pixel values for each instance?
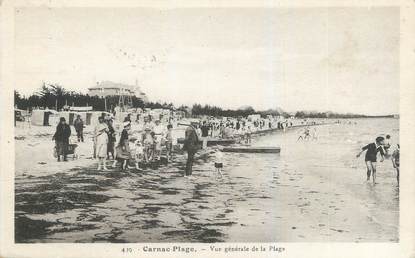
(127, 250)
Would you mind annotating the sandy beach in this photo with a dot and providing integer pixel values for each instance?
(313, 191)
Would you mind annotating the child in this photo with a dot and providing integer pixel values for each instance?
(371, 156)
(138, 154)
(123, 149)
(387, 145)
(148, 143)
(219, 162)
(395, 162)
(169, 142)
(248, 135)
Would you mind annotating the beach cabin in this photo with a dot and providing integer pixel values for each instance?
(45, 117)
(254, 117)
(84, 112)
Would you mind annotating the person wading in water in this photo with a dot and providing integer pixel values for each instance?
(372, 150)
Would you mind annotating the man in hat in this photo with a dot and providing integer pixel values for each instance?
(191, 145)
(61, 138)
(79, 128)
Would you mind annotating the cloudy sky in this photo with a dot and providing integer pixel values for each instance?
(343, 60)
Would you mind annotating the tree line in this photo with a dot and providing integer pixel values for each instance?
(54, 96)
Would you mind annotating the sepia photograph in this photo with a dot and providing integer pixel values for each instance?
(206, 125)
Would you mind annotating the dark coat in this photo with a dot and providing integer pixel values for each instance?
(78, 124)
(63, 132)
(191, 140)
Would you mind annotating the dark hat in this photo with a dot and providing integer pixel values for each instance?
(379, 139)
(62, 119)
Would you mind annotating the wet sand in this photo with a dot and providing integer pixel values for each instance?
(312, 191)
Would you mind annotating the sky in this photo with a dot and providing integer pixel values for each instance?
(316, 59)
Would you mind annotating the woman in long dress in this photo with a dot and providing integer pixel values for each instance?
(101, 141)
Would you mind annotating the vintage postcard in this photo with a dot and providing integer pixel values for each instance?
(207, 128)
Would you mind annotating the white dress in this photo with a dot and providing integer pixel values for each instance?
(101, 140)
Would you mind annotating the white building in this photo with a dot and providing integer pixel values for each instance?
(108, 88)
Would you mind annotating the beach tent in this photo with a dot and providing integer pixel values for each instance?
(88, 117)
(44, 117)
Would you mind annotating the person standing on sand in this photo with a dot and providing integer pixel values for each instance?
(205, 133)
(191, 144)
(372, 150)
(219, 162)
(315, 137)
(395, 162)
(169, 142)
(111, 139)
(101, 142)
(159, 133)
(148, 143)
(61, 138)
(79, 128)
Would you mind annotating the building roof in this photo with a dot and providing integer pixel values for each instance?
(112, 85)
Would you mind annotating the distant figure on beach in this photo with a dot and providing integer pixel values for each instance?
(248, 133)
(305, 134)
(138, 153)
(372, 150)
(395, 162)
(314, 133)
(205, 133)
(191, 144)
(101, 142)
(79, 128)
(169, 142)
(127, 118)
(219, 162)
(159, 131)
(148, 142)
(61, 138)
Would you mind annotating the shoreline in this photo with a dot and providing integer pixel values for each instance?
(68, 202)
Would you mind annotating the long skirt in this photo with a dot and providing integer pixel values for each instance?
(101, 145)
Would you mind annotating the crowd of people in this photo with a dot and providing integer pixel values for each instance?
(146, 139)
(144, 142)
